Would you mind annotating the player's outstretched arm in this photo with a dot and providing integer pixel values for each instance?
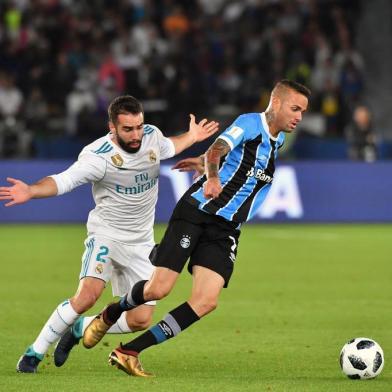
(20, 192)
(197, 132)
(195, 164)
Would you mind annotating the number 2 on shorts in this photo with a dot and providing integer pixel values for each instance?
(104, 250)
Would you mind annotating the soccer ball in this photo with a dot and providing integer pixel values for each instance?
(361, 358)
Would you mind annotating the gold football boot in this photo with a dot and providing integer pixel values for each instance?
(95, 331)
(128, 364)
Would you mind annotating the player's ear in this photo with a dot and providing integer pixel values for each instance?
(276, 102)
(112, 127)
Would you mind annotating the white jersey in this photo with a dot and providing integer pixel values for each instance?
(124, 185)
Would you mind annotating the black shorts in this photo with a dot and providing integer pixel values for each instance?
(208, 240)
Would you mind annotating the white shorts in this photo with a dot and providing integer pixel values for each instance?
(123, 265)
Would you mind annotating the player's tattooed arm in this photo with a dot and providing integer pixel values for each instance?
(212, 188)
(213, 156)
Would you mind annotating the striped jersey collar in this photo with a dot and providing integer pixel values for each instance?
(266, 127)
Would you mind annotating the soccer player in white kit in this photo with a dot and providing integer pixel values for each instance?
(123, 168)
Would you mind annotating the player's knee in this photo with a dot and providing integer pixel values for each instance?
(210, 305)
(206, 305)
(84, 301)
(140, 322)
(157, 292)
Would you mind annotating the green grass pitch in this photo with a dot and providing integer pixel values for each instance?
(298, 293)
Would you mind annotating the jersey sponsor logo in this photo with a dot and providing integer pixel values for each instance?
(259, 174)
(153, 156)
(185, 241)
(138, 188)
(117, 160)
(143, 182)
(235, 132)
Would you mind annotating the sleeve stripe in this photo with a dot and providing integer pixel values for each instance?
(148, 129)
(106, 147)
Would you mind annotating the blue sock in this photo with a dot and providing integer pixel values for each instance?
(77, 328)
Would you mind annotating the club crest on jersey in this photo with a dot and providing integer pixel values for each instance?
(99, 269)
(117, 160)
(153, 156)
(185, 241)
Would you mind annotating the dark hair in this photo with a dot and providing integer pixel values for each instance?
(123, 105)
(298, 87)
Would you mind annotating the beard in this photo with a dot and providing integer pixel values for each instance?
(126, 147)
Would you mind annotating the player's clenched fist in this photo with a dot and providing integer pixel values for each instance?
(212, 188)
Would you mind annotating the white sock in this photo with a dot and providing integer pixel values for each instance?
(121, 326)
(60, 320)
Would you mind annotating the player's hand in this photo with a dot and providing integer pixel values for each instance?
(18, 193)
(191, 164)
(203, 129)
(212, 188)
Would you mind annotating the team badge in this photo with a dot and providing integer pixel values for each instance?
(117, 160)
(99, 269)
(153, 156)
(185, 241)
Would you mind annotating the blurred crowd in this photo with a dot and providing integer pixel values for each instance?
(63, 61)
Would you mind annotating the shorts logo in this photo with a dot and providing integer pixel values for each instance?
(99, 269)
(233, 248)
(185, 241)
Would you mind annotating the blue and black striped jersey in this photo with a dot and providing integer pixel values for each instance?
(246, 172)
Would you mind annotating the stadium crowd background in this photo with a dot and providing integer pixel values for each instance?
(63, 61)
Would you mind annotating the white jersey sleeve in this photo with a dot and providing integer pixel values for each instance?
(166, 146)
(87, 169)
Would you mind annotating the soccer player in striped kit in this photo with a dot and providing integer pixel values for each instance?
(205, 224)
